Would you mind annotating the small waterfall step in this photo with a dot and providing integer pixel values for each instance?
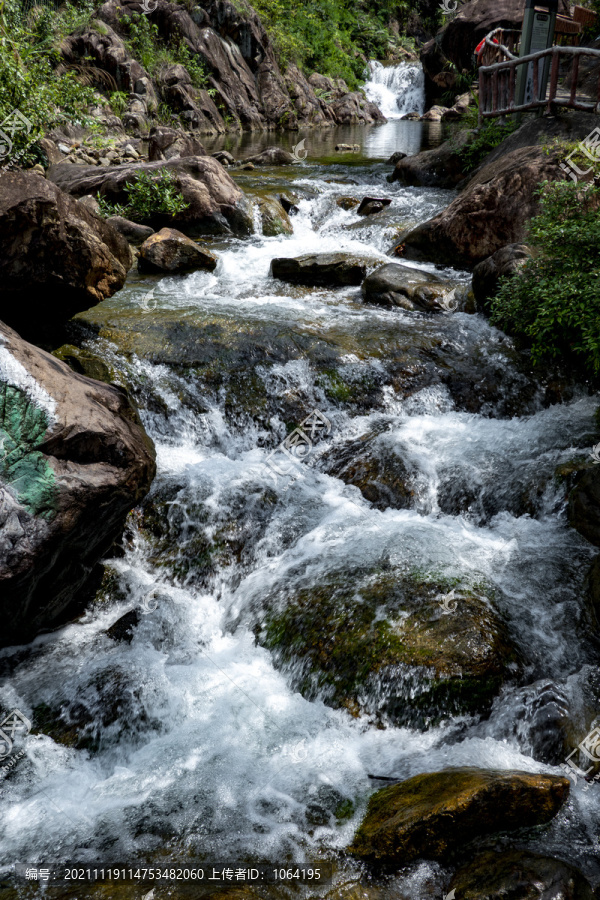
(396, 90)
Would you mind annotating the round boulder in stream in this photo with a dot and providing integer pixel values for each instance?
(171, 251)
(407, 648)
(431, 816)
(397, 285)
(321, 269)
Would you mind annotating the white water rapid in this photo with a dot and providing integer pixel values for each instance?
(397, 90)
(190, 739)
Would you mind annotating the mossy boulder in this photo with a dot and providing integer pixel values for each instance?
(387, 644)
(520, 876)
(275, 220)
(435, 814)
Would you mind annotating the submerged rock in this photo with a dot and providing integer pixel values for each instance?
(388, 645)
(316, 269)
(75, 460)
(521, 876)
(376, 470)
(432, 815)
(57, 257)
(171, 251)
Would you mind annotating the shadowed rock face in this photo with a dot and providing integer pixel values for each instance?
(521, 876)
(430, 816)
(74, 461)
(320, 269)
(58, 258)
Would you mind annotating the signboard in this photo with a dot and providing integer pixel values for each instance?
(538, 34)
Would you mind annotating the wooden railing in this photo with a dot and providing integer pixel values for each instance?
(497, 82)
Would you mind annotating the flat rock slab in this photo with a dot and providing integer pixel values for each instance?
(398, 285)
(320, 269)
(432, 815)
(171, 251)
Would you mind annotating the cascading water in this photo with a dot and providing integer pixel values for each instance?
(396, 90)
(193, 739)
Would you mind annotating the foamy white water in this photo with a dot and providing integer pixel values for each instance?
(397, 90)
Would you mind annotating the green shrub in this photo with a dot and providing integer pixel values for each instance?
(491, 135)
(147, 46)
(150, 195)
(553, 303)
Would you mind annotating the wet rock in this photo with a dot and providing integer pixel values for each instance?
(397, 285)
(521, 876)
(275, 220)
(347, 202)
(123, 629)
(272, 156)
(327, 269)
(504, 263)
(171, 251)
(215, 204)
(584, 505)
(491, 211)
(131, 231)
(289, 204)
(57, 257)
(430, 816)
(441, 167)
(374, 468)
(370, 205)
(384, 645)
(347, 148)
(76, 460)
(396, 157)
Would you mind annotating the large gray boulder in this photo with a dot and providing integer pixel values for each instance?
(215, 203)
(74, 460)
(57, 258)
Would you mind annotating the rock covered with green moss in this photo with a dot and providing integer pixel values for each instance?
(407, 648)
(74, 460)
(430, 816)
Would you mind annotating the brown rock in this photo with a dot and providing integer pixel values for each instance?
(215, 203)
(491, 211)
(429, 816)
(171, 251)
(370, 205)
(131, 231)
(57, 257)
(504, 263)
(272, 156)
(169, 143)
(76, 460)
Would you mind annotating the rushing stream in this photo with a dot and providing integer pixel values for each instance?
(197, 739)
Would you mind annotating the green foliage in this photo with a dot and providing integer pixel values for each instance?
(148, 196)
(553, 303)
(490, 136)
(30, 81)
(118, 102)
(328, 36)
(145, 43)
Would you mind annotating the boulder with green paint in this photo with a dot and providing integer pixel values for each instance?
(74, 460)
(406, 648)
(431, 816)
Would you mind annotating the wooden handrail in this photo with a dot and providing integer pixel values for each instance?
(503, 102)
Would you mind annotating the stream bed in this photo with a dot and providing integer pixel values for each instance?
(199, 734)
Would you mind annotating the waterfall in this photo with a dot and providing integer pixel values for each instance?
(397, 90)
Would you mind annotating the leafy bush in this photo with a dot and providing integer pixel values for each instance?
(490, 136)
(30, 79)
(148, 196)
(553, 303)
